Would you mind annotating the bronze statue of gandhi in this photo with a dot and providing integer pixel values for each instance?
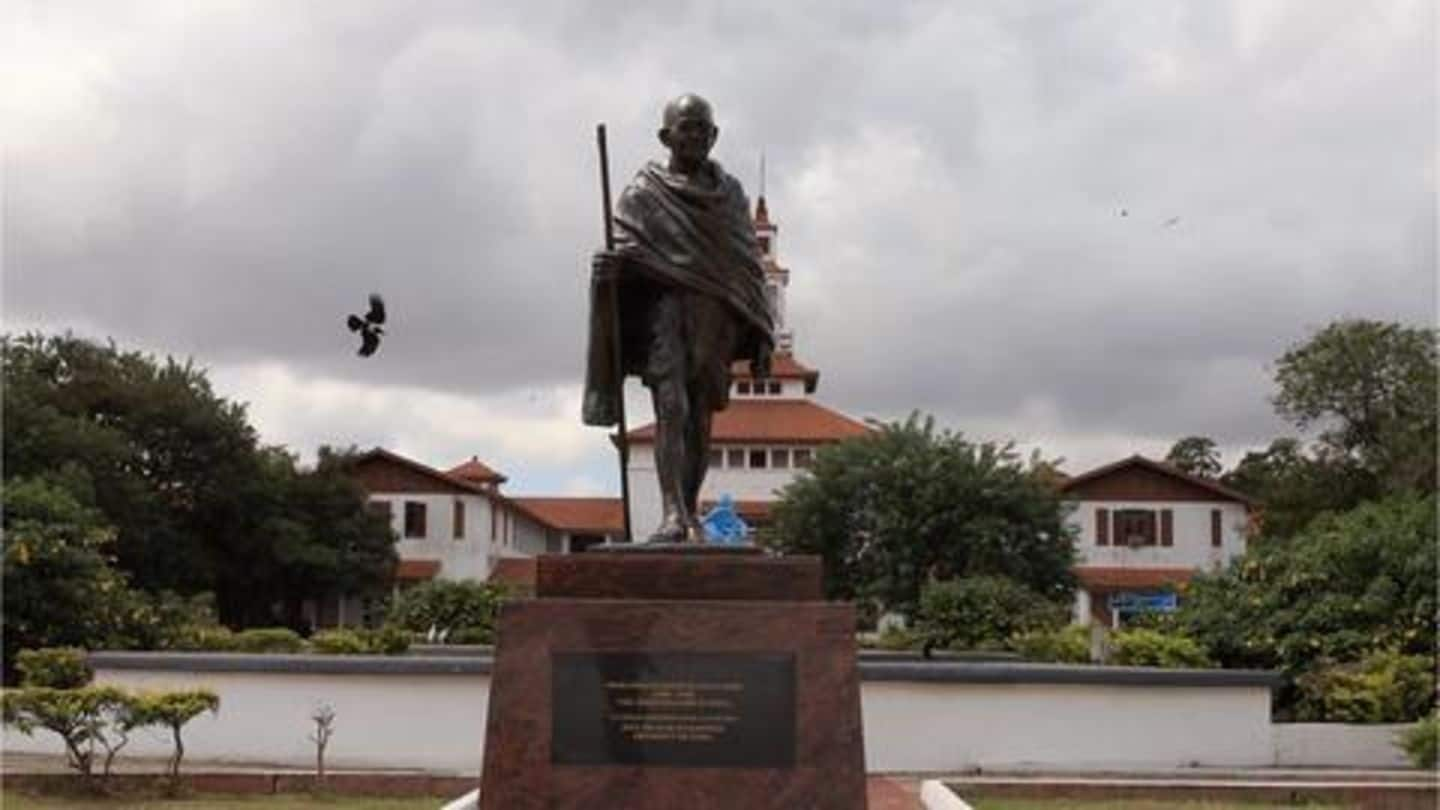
(691, 301)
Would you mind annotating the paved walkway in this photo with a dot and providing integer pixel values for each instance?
(1359, 788)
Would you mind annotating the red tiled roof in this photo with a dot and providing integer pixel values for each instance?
(517, 571)
(1095, 576)
(383, 455)
(1215, 487)
(773, 421)
(417, 569)
(588, 515)
(783, 366)
(473, 470)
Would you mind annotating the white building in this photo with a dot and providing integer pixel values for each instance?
(768, 434)
(1142, 529)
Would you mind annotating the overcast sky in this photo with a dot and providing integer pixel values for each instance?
(227, 180)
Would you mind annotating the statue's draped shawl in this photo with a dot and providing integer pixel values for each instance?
(675, 233)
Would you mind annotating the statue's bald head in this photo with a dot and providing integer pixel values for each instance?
(688, 130)
(687, 106)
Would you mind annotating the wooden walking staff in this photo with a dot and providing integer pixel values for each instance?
(616, 341)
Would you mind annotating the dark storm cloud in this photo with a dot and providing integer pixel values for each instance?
(948, 180)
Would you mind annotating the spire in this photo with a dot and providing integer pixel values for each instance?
(762, 214)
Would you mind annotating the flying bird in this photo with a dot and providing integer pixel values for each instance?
(1170, 223)
(369, 327)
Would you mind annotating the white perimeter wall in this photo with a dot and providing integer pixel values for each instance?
(1338, 745)
(437, 723)
(913, 726)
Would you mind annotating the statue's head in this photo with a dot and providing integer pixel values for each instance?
(688, 130)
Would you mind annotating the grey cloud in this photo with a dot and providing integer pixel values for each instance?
(231, 185)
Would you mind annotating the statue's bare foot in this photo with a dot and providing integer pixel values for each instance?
(671, 531)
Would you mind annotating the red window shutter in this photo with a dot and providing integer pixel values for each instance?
(1215, 539)
(1102, 527)
(1167, 527)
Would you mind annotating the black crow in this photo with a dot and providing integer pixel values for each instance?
(369, 327)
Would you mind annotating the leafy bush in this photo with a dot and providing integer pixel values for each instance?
(898, 638)
(1384, 687)
(92, 721)
(268, 640)
(471, 635)
(203, 638)
(54, 667)
(1421, 742)
(382, 641)
(1067, 645)
(387, 640)
(1348, 585)
(1143, 647)
(339, 642)
(982, 612)
(446, 604)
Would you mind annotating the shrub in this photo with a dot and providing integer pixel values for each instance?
(339, 642)
(982, 612)
(387, 640)
(268, 640)
(174, 710)
(1067, 645)
(54, 667)
(472, 635)
(445, 604)
(91, 721)
(203, 638)
(1143, 647)
(1384, 687)
(1421, 742)
(897, 637)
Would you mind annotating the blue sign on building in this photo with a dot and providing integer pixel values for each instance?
(1139, 602)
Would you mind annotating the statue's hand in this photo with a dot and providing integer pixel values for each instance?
(760, 363)
(606, 265)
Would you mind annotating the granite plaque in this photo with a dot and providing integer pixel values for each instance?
(675, 709)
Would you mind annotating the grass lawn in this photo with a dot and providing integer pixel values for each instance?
(1126, 804)
(11, 800)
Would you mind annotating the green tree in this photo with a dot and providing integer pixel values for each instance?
(1294, 487)
(194, 502)
(59, 588)
(1196, 455)
(1348, 585)
(1371, 387)
(909, 504)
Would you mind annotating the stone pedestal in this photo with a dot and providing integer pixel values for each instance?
(645, 680)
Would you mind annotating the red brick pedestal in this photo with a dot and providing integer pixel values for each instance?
(697, 680)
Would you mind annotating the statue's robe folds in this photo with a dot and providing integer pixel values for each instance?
(675, 234)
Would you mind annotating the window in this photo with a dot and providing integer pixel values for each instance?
(775, 387)
(1216, 539)
(380, 509)
(735, 458)
(414, 519)
(765, 245)
(780, 458)
(459, 520)
(717, 459)
(758, 459)
(1102, 527)
(1134, 527)
(801, 457)
(742, 388)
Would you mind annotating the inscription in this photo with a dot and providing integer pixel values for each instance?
(678, 709)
